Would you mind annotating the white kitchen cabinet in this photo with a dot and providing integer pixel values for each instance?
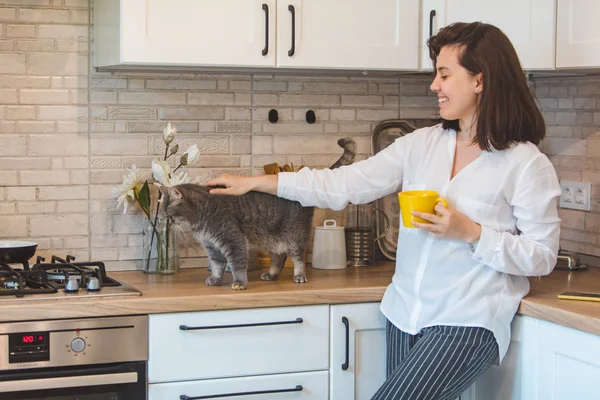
(232, 343)
(325, 34)
(545, 361)
(517, 377)
(301, 386)
(343, 34)
(184, 32)
(529, 24)
(578, 34)
(569, 363)
(358, 351)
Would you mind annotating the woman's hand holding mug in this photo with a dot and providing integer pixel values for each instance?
(425, 209)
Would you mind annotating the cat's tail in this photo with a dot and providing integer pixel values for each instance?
(347, 157)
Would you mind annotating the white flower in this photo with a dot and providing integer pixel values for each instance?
(126, 190)
(191, 155)
(160, 172)
(179, 178)
(169, 133)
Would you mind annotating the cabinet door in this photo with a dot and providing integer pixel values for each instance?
(529, 24)
(516, 378)
(348, 34)
(358, 351)
(198, 32)
(578, 34)
(569, 363)
(302, 386)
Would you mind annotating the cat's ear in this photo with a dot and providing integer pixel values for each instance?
(174, 193)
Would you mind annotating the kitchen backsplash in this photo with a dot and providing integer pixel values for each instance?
(67, 132)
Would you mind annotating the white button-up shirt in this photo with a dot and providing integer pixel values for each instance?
(511, 193)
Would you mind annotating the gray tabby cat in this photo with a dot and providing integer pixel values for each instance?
(227, 226)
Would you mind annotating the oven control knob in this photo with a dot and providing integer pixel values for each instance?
(72, 284)
(93, 284)
(78, 345)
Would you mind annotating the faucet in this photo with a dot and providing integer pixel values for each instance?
(568, 260)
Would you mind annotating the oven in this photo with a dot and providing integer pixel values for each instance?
(79, 359)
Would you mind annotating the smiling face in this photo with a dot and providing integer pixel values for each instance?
(456, 87)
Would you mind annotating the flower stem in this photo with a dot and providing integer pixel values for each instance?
(167, 244)
(153, 230)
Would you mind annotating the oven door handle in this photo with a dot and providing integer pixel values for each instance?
(68, 381)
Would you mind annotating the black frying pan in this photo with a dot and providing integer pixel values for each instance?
(16, 251)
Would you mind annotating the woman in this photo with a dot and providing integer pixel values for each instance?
(459, 279)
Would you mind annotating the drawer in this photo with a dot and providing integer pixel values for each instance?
(299, 386)
(218, 344)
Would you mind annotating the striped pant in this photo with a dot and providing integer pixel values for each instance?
(440, 362)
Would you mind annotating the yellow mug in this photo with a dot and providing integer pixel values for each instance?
(418, 200)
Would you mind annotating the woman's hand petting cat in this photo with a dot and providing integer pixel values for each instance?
(238, 185)
(449, 223)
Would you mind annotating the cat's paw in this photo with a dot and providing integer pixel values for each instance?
(213, 281)
(268, 277)
(300, 278)
(238, 286)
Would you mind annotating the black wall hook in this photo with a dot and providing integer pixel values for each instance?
(310, 117)
(273, 116)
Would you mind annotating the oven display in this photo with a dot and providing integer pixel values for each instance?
(32, 339)
(28, 347)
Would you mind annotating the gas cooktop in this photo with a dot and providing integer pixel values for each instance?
(59, 279)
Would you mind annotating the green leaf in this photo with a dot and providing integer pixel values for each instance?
(144, 198)
(174, 149)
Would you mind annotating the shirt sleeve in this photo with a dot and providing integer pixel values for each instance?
(533, 251)
(358, 183)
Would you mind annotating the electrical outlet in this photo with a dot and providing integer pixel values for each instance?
(575, 195)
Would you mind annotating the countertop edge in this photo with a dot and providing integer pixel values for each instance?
(12, 312)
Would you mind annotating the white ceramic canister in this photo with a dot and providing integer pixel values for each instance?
(329, 246)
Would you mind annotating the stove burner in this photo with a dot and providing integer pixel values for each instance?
(60, 275)
(8, 280)
(21, 282)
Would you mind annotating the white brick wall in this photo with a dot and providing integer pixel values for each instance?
(44, 57)
(571, 108)
(67, 134)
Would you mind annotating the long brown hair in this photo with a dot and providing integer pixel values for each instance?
(506, 112)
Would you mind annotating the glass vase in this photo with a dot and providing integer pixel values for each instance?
(160, 251)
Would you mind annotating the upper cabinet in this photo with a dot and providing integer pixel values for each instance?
(529, 24)
(325, 34)
(578, 34)
(354, 35)
(348, 34)
(184, 33)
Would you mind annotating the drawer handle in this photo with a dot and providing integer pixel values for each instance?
(298, 388)
(345, 364)
(197, 328)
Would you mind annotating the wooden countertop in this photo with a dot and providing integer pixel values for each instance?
(186, 291)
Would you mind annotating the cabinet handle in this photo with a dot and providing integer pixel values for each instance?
(345, 322)
(431, 15)
(197, 328)
(293, 49)
(266, 49)
(298, 388)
